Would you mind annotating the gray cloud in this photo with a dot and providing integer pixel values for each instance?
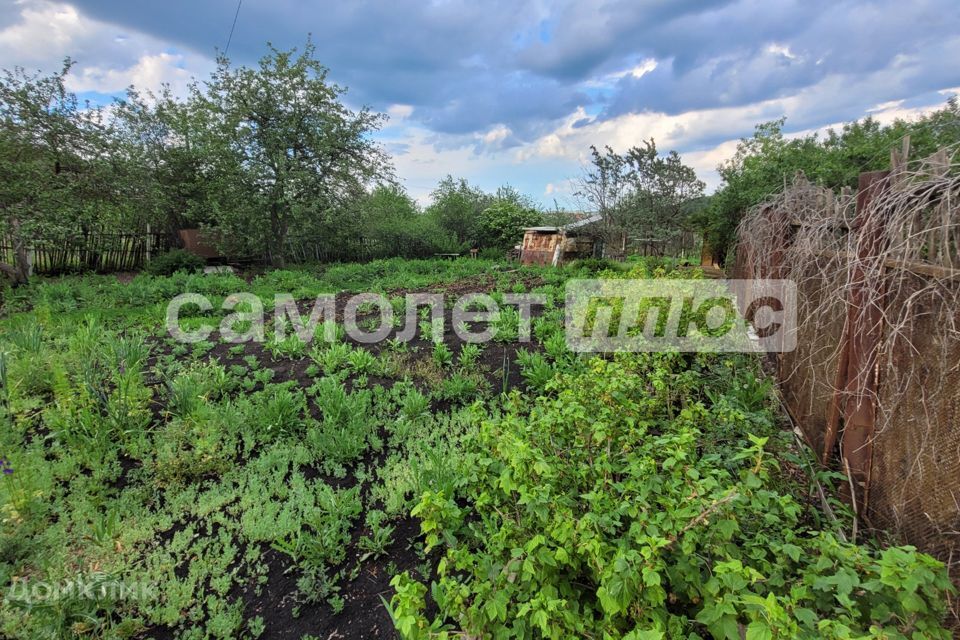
(468, 67)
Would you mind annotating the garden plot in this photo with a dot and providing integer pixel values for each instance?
(430, 488)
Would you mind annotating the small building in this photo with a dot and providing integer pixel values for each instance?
(560, 245)
(199, 243)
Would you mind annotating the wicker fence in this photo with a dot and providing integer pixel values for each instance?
(874, 383)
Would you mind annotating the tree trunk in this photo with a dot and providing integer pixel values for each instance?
(278, 239)
(19, 271)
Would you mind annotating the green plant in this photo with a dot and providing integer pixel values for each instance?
(175, 260)
(280, 410)
(317, 585)
(469, 355)
(535, 369)
(426, 330)
(397, 346)
(346, 430)
(414, 405)
(506, 327)
(362, 361)
(290, 347)
(609, 510)
(442, 355)
(376, 544)
(256, 626)
(460, 387)
(335, 357)
(556, 347)
(4, 381)
(88, 604)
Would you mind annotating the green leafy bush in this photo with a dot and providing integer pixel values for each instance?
(609, 511)
(173, 261)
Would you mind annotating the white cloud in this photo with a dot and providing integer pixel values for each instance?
(398, 112)
(107, 58)
(43, 27)
(636, 71)
(782, 50)
(496, 135)
(423, 164)
(708, 136)
(150, 71)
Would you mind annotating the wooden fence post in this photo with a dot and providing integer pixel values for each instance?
(864, 335)
(149, 245)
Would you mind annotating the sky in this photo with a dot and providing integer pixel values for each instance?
(514, 92)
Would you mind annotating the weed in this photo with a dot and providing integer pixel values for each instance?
(535, 369)
(362, 361)
(469, 355)
(442, 355)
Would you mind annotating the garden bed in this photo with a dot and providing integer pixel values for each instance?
(340, 490)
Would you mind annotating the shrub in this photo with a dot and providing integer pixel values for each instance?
(611, 512)
(501, 224)
(177, 260)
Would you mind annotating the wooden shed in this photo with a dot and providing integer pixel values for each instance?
(197, 242)
(559, 245)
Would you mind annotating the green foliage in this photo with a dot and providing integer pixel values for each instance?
(501, 224)
(361, 361)
(325, 542)
(460, 387)
(610, 511)
(414, 405)
(346, 430)
(284, 125)
(393, 221)
(280, 410)
(176, 260)
(290, 347)
(62, 171)
(768, 159)
(535, 369)
(456, 208)
(442, 355)
(640, 192)
(469, 355)
(626, 498)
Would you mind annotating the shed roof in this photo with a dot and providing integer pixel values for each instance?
(584, 222)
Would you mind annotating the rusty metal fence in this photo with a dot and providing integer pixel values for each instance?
(874, 383)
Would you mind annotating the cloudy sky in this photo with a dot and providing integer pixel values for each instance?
(516, 92)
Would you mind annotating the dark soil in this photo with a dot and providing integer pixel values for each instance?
(278, 600)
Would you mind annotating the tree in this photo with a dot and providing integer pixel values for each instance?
(764, 162)
(392, 219)
(285, 153)
(457, 207)
(501, 224)
(640, 191)
(164, 140)
(56, 172)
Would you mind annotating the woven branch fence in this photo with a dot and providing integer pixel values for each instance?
(874, 383)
